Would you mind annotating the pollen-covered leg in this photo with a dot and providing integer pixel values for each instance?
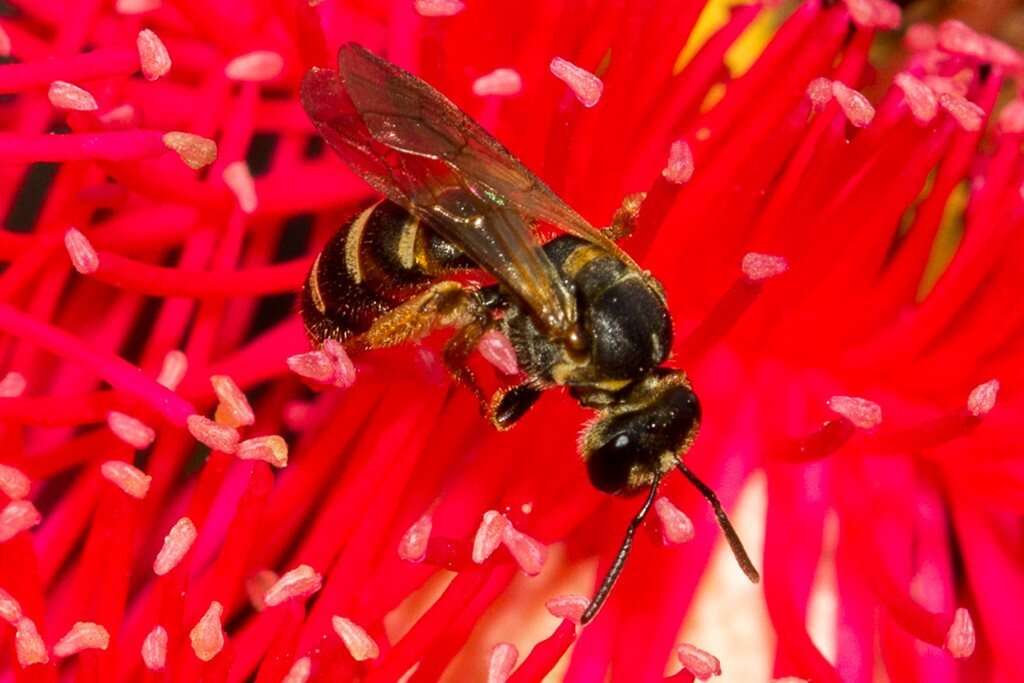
(445, 304)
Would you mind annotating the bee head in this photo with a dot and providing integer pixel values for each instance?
(642, 432)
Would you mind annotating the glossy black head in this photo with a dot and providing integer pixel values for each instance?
(642, 434)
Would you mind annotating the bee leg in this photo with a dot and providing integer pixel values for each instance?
(508, 405)
(444, 304)
(457, 351)
(625, 218)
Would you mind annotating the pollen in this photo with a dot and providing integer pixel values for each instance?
(271, 449)
(12, 385)
(502, 82)
(64, 95)
(703, 665)
(857, 108)
(300, 671)
(234, 409)
(84, 258)
(17, 516)
(874, 13)
(679, 168)
(153, 55)
(10, 609)
(84, 635)
(1011, 118)
(982, 398)
(570, 606)
(344, 368)
(208, 636)
(28, 644)
(488, 535)
(132, 431)
(920, 98)
(502, 661)
(256, 66)
(413, 546)
(528, 552)
(959, 38)
(239, 180)
(14, 483)
(130, 7)
(257, 585)
(195, 150)
(969, 115)
(173, 369)
(126, 477)
(218, 437)
(586, 86)
(819, 91)
(177, 543)
(676, 527)
(960, 640)
(863, 413)
(757, 267)
(921, 37)
(358, 642)
(497, 350)
(154, 649)
(297, 583)
(439, 8)
(5, 43)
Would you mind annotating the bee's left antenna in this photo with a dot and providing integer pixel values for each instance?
(620, 558)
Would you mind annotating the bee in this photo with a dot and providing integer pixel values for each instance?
(577, 310)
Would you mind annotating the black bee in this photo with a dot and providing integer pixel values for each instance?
(577, 310)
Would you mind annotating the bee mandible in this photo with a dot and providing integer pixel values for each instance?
(577, 310)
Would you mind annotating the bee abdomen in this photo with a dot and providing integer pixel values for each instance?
(378, 259)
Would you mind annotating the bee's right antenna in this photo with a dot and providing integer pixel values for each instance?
(723, 521)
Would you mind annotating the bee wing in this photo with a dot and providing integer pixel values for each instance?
(371, 118)
(408, 115)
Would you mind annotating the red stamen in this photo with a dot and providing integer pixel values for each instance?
(10, 609)
(132, 431)
(154, 649)
(438, 8)
(257, 66)
(584, 85)
(300, 582)
(527, 551)
(177, 543)
(234, 409)
(819, 91)
(12, 385)
(960, 640)
(14, 483)
(64, 95)
(676, 527)
(679, 168)
(856, 107)
(272, 449)
(358, 642)
(982, 398)
(920, 98)
(207, 636)
(497, 350)
(969, 115)
(195, 150)
(502, 661)
(413, 546)
(84, 635)
(570, 607)
(239, 180)
(701, 664)
(29, 645)
(128, 478)
(17, 516)
(300, 671)
(173, 369)
(218, 437)
(500, 82)
(863, 413)
(489, 535)
(153, 55)
(83, 256)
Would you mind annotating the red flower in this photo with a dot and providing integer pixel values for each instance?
(841, 268)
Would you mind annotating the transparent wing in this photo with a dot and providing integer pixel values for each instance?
(408, 161)
(407, 114)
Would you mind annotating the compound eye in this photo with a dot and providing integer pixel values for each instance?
(609, 465)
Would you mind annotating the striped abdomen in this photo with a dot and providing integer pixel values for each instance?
(373, 263)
